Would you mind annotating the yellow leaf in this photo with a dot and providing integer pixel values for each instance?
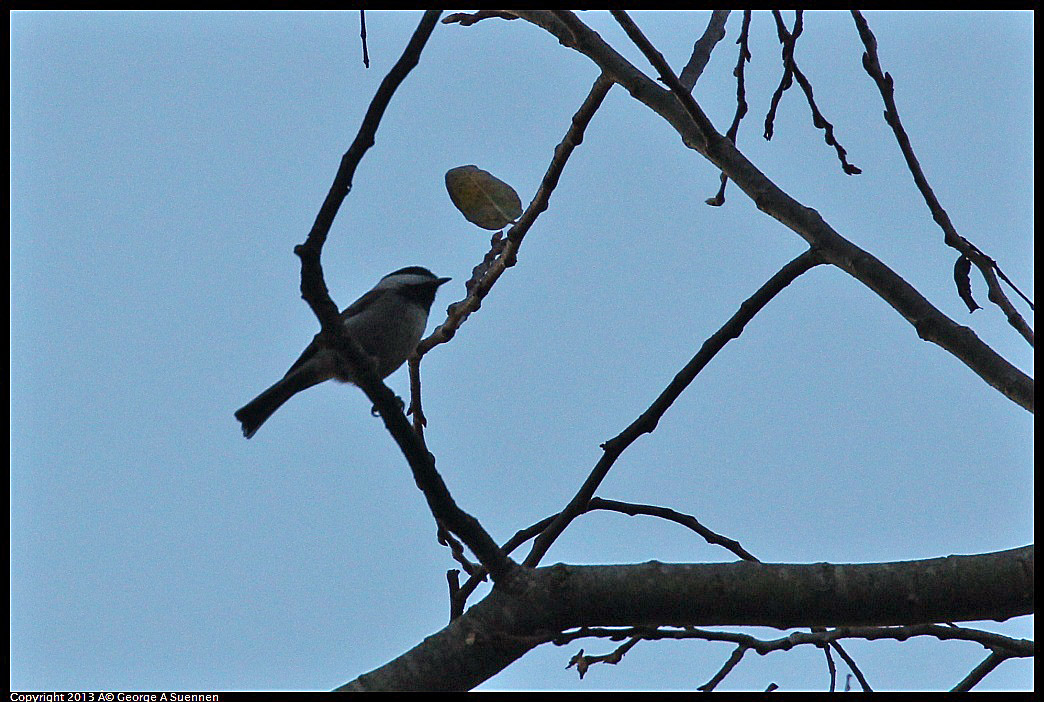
(483, 199)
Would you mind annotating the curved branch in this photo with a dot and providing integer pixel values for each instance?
(684, 114)
(315, 293)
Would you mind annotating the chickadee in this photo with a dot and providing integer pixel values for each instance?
(388, 322)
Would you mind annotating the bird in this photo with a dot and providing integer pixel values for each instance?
(388, 322)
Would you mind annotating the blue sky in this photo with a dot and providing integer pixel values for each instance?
(164, 165)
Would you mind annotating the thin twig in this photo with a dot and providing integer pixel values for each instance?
(648, 420)
(852, 666)
(453, 581)
(732, 662)
(701, 50)
(980, 671)
(791, 71)
(598, 503)
(785, 81)
(583, 662)
(506, 250)
(741, 101)
(831, 667)
(671, 515)
(1004, 645)
(986, 265)
(456, 549)
(466, 20)
(362, 36)
(661, 66)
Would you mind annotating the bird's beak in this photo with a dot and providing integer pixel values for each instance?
(440, 281)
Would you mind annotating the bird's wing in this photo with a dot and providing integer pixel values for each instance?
(361, 304)
(350, 311)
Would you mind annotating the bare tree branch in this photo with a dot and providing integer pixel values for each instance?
(671, 515)
(597, 503)
(681, 111)
(504, 252)
(732, 662)
(863, 599)
(466, 20)
(741, 101)
(986, 265)
(1008, 647)
(315, 293)
(583, 662)
(648, 420)
(506, 255)
(853, 667)
(362, 38)
(701, 51)
(987, 666)
(531, 606)
(791, 72)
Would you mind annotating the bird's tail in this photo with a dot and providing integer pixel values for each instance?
(256, 412)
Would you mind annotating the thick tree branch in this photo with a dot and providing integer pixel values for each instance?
(682, 112)
(503, 626)
(459, 595)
